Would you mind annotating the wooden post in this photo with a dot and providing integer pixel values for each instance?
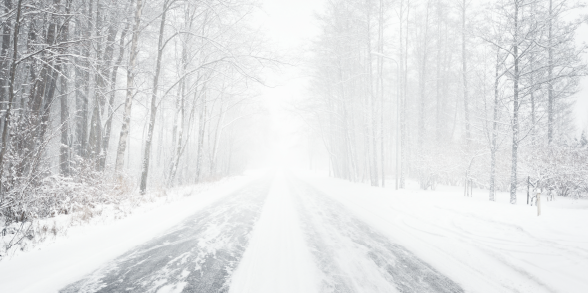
(538, 204)
(465, 185)
(528, 182)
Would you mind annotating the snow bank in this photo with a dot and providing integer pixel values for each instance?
(54, 264)
(485, 246)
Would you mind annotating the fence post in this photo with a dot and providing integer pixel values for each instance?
(465, 184)
(528, 182)
(538, 204)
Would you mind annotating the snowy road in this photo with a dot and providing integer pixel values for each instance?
(275, 235)
(198, 255)
(355, 257)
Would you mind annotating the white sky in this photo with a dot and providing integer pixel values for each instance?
(291, 22)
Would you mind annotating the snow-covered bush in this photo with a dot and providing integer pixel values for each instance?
(562, 169)
(31, 192)
(82, 195)
(439, 166)
(55, 194)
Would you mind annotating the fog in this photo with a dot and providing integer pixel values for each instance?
(112, 104)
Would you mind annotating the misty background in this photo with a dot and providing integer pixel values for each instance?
(130, 96)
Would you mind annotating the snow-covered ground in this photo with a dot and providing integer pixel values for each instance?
(67, 258)
(311, 233)
(484, 246)
(277, 259)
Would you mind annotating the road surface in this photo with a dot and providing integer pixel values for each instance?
(265, 238)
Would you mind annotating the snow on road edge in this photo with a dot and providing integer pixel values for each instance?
(51, 266)
(485, 246)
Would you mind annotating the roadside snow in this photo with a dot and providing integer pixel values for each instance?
(277, 259)
(54, 264)
(485, 246)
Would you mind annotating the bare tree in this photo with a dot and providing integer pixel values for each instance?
(124, 132)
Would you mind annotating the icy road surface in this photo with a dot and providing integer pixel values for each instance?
(198, 255)
(275, 235)
(355, 257)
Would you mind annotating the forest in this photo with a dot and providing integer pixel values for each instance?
(104, 97)
(293, 146)
(462, 93)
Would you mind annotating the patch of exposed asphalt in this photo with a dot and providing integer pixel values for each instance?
(198, 255)
(330, 226)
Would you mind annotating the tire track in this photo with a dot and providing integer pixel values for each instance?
(355, 257)
(198, 255)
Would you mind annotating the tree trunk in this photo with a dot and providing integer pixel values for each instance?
(493, 147)
(403, 130)
(64, 147)
(52, 74)
(12, 76)
(43, 87)
(217, 135)
(180, 104)
(4, 72)
(381, 77)
(399, 99)
(382, 104)
(95, 135)
(178, 126)
(438, 78)
(97, 147)
(533, 106)
(113, 78)
(422, 87)
(550, 97)
(181, 147)
(124, 132)
(515, 114)
(201, 128)
(147, 154)
(82, 82)
(464, 75)
(372, 123)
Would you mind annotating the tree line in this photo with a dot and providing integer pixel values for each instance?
(99, 95)
(450, 91)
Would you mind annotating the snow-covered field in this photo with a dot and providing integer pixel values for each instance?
(318, 234)
(484, 246)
